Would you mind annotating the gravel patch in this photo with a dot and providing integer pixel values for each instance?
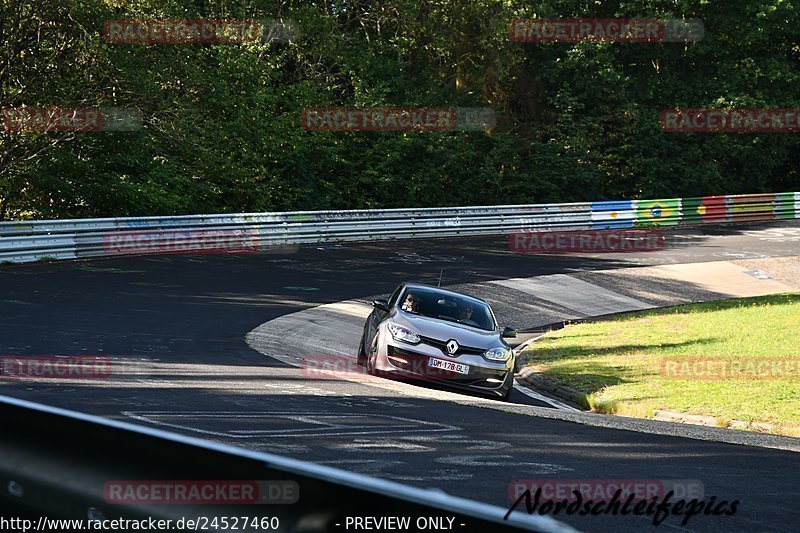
(783, 269)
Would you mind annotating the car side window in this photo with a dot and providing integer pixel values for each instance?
(393, 298)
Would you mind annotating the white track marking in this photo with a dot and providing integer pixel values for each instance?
(323, 423)
(536, 396)
(503, 460)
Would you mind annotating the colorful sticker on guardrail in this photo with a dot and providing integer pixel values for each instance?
(752, 207)
(787, 205)
(657, 212)
(612, 215)
(705, 209)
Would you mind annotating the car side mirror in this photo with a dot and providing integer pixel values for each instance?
(509, 332)
(383, 305)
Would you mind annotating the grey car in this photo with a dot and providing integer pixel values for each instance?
(424, 332)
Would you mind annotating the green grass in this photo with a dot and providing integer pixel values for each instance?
(616, 363)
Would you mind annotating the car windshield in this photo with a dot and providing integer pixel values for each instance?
(447, 306)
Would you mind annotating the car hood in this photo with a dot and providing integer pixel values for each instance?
(444, 331)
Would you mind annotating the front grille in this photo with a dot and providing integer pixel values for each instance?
(442, 346)
(417, 364)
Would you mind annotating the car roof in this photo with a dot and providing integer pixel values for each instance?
(443, 291)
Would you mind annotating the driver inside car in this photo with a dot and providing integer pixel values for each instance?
(411, 303)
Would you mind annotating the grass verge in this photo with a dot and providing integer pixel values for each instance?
(676, 359)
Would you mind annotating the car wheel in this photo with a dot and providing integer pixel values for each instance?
(361, 359)
(509, 390)
(372, 357)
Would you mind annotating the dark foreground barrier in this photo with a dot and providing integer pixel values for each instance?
(58, 464)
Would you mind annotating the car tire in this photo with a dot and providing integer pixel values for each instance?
(361, 358)
(507, 394)
(372, 358)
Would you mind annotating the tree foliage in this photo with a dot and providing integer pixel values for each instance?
(221, 122)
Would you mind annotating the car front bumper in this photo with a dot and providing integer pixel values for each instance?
(412, 362)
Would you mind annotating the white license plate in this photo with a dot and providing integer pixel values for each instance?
(447, 365)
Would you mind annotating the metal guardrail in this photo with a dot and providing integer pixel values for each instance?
(69, 478)
(69, 239)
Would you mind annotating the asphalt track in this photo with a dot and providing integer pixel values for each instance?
(177, 326)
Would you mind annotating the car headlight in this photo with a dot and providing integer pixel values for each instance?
(498, 354)
(402, 334)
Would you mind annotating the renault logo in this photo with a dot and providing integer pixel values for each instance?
(452, 347)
